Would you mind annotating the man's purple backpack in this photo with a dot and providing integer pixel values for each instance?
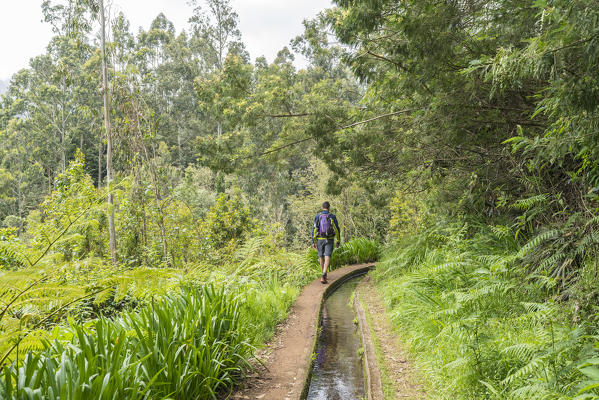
(325, 225)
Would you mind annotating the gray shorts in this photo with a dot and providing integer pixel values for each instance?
(325, 247)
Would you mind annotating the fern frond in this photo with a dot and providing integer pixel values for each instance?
(537, 241)
(521, 351)
(530, 202)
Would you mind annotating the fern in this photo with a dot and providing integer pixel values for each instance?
(501, 231)
(12, 255)
(470, 307)
(530, 202)
(537, 241)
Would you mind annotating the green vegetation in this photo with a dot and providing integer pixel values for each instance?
(127, 335)
(479, 322)
(460, 134)
(491, 155)
(355, 251)
(188, 345)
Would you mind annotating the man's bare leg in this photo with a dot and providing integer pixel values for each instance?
(322, 265)
(327, 262)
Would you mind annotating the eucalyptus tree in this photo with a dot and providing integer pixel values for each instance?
(167, 83)
(62, 86)
(215, 33)
(22, 177)
(47, 106)
(78, 15)
(109, 171)
(215, 36)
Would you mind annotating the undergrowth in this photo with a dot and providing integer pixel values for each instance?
(482, 326)
(148, 332)
(189, 345)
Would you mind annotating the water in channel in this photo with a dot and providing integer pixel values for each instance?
(338, 372)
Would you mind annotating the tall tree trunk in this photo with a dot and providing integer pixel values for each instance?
(179, 145)
(100, 151)
(220, 188)
(63, 156)
(155, 183)
(20, 196)
(111, 228)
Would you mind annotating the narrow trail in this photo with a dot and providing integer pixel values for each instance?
(288, 356)
(392, 376)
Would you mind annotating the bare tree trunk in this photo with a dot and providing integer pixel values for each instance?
(111, 228)
(157, 195)
(179, 146)
(20, 196)
(63, 156)
(100, 148)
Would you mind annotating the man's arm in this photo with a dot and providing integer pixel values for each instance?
(315, 230)
(337, 230)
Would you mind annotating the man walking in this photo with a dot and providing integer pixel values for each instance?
(325, 234)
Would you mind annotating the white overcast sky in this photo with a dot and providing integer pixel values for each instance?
(266, 25)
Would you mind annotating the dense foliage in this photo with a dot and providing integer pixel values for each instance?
(479, 324)
(491, 128)
(189, 345)
(462, 132)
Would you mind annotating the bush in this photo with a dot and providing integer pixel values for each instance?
(355, 251)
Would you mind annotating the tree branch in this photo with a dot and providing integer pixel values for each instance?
(287, 115)
(339, 129)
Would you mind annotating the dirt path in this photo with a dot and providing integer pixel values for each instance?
(287, 357)
(392, 376)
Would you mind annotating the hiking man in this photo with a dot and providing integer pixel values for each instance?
(325, 234)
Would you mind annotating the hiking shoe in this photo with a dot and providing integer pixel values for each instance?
(323, 280)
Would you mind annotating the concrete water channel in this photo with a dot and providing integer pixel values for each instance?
(288, 370)
(338, 372)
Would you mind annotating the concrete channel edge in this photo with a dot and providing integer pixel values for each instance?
(328, 291)
(372, 373)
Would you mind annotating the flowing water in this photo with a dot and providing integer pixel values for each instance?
(338, 372)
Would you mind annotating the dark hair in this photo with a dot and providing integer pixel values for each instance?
(326, 205)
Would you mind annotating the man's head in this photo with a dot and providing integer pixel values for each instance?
(326, 205)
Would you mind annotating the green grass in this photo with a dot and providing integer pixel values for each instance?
(195, 344)
(189, 345)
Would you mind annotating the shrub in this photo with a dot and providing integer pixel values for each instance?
(355, 251)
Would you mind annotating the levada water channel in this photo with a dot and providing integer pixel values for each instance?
(338, 373)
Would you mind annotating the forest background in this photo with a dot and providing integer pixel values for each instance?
(462, 133)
